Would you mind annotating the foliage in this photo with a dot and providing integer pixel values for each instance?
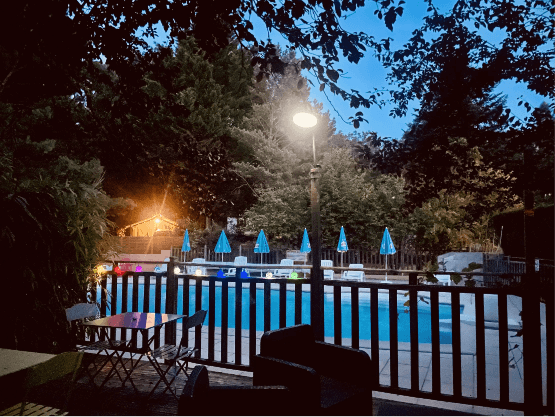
(449, 52)
(117, 31)
(52, 229)
(457, 221)
(165, 126)
(363, 204)
(50, 63)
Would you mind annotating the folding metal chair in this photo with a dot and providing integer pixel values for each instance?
(176, 356)
(79, 314)
(52, 370)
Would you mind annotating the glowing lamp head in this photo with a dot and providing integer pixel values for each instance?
(269, 275)
(305, 120)
(139, 268)
(294, 275)
(198, 272)
(157, 220)
(100, 269)
(176, 270)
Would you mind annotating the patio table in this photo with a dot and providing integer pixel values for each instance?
(12, 361)
(142, 322)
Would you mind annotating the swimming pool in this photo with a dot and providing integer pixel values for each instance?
(424, 316)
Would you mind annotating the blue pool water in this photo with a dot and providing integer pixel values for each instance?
(424, 318)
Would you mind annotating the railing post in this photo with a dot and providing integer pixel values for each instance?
(531, 337)
(171, 301)
(413, 278)
(316, 276)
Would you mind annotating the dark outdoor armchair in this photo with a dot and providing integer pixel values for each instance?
(333, 379)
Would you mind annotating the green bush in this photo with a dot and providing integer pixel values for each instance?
(53, 220)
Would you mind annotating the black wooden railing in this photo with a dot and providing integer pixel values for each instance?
(240, 358)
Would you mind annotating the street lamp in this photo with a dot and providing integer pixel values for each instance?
(307, 121)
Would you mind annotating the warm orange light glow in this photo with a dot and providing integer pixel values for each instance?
(157, 221)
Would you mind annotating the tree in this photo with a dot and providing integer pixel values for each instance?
(445, 52)
(167, 126)
(52, 230)
(87, 31)
(363, 204)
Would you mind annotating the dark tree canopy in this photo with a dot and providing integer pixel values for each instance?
(448, 43)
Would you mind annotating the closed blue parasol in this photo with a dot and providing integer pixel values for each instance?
(305, 245)
(223, 245)
(261, 245)
(342, 244)
(186, 247)
(387, 248)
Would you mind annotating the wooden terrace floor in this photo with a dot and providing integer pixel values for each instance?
(113, 399)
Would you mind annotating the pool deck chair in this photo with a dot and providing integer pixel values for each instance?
(284, 273)
(163, 267)
(62, 369)
(77, 315)
(443, 279)
(354, 275)
(176, 356)
(239, 261)
(192, 269)
(328, 273)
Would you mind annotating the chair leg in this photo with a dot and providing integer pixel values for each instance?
(176, 374)
(98, 368)
(162, 374)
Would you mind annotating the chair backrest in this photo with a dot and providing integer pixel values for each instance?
(240, 260)
(164, 267)
(444, 278)
(196, 319)
(285, 272)
(293, 344)
(192, 269)
(328, 273)
(357, 275)
(61, 365)
(82, 311)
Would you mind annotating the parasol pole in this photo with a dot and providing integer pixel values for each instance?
(386, 266)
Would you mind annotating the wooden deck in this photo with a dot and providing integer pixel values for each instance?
(113, 399)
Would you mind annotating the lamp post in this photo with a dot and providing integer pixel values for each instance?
(307, 120)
